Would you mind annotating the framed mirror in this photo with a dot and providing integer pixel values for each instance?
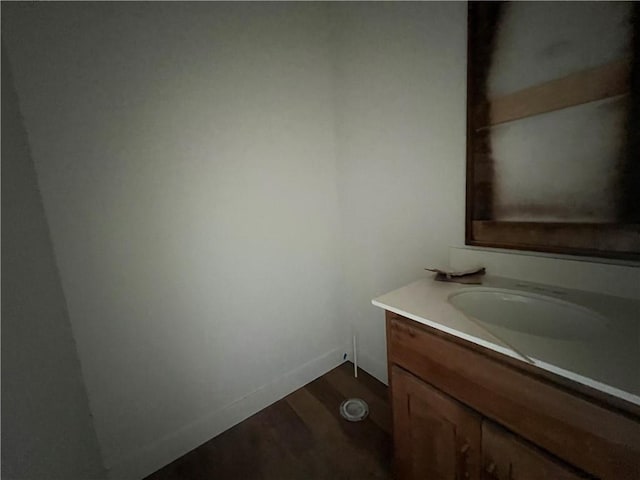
(553, 127)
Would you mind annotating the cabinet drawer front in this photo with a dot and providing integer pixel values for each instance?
(594, 439)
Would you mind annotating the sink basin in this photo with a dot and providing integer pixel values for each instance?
(530, 313)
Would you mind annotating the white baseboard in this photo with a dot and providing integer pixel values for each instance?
(163, 451)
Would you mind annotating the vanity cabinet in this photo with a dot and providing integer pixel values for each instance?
(463, 412)
(438, 438)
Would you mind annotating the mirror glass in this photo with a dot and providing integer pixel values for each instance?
(553, 157)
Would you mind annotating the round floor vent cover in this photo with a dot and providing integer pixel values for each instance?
(354, 409)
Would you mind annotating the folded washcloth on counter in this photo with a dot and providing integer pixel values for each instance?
(470, 277)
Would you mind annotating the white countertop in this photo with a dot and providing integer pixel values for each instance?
(609, 363)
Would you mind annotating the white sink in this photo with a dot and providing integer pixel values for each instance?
(530, 313)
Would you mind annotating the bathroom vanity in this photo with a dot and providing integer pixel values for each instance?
(471, 401)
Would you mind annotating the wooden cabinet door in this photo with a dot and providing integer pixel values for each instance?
(435, 437)
(507, 457)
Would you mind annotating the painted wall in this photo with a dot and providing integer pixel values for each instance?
(47, 430)
(400, 123)
(186, 157)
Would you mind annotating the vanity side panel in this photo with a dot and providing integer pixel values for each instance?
(597, 440)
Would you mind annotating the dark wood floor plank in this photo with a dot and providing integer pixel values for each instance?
(289, 428)
(366, 436)
(276, 460)
(328, 437)
(349, 458)
(235, 453)
(349, 387)
(296, 444)
(301, 437)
